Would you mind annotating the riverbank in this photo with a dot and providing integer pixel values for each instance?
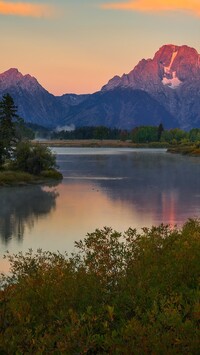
(98, 143)
(190, 150)
(19, 178)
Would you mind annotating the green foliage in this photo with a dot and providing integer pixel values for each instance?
(33, 158)
(160, 131)
(99, 132)
(14, 177)
(19, 154)
(51, 174)
(23, 131)
(12, 128)
(131, 293)
(194, 135)
(174, 136)
(8, 137)
(145, 134)
(140, 135)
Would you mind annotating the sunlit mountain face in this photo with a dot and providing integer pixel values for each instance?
(163, 89)
(171, 67)
(172, 78)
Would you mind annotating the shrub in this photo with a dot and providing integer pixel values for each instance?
(119, 294)
(51, 174)
(33, 158)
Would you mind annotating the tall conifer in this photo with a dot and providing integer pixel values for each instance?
(8, 136)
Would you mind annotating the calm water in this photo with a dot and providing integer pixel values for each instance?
(101, 187)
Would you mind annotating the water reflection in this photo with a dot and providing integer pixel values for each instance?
(116, 188)
(154, 185)
(21, 207)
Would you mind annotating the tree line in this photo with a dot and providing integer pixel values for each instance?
(141, 134)
(90, 132)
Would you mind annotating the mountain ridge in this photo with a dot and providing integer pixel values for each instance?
(172, 77)
(169, 82)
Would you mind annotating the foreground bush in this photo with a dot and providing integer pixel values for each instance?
(118, 294)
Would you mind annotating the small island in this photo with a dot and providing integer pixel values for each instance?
(21, 161)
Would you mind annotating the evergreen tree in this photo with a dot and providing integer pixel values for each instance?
(8, 136)
(160, 131)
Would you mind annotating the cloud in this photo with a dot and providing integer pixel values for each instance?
(191, 6)
(25, 9)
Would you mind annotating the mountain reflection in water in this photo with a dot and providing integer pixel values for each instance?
(101, 187)
(21, 207)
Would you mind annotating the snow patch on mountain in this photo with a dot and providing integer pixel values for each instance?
(173, 82)
(170, 78)
(168, 69)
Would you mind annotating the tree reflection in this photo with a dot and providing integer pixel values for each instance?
(21, 207)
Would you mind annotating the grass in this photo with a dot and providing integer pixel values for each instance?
(51, 174)
(98, 143)
(191, 150)
(13, 178)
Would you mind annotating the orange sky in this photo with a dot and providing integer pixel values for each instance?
(192, 6)
(77, 46)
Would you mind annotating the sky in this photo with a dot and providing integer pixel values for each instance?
(76, 46)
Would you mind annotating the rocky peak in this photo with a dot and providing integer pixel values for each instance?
(171, 67)
(180, 62)
(13, 78)
(11, 75)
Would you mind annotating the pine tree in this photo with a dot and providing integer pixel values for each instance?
(8, 117)
(160, 130)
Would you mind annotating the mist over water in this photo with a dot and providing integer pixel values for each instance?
(101, 187)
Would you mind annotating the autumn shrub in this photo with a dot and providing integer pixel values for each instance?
(130, 293)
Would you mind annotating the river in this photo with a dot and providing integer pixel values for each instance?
(120, 188)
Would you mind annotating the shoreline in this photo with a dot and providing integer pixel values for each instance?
(98, 143)
(189, 150)
(11, 178)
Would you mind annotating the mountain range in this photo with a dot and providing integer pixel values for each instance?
(163, 89)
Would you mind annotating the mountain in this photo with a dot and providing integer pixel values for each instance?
(172, 78)
(120, 108)
(68, 100)
(116, 108)
(35, 104)
(163, 89)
